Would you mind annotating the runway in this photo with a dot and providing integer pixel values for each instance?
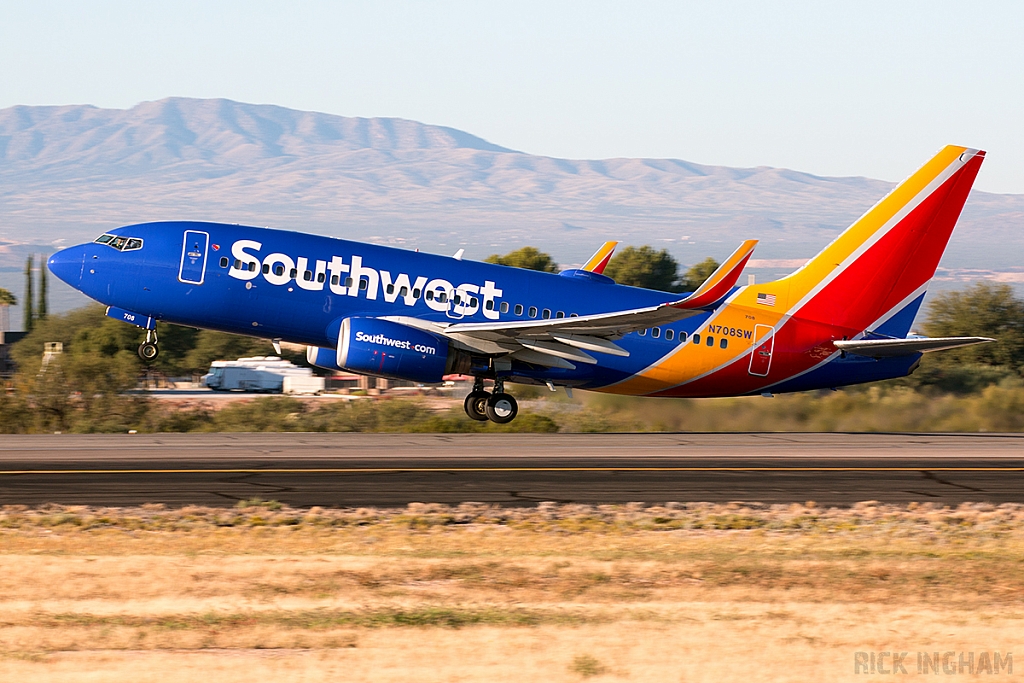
(361, 470)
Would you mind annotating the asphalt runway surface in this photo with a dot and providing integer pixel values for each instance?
(353, 470)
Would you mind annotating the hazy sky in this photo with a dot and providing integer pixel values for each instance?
(834, 88)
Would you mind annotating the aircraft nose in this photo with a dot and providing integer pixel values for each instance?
(67, 264)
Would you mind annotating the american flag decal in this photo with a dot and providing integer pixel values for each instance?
(766, 299)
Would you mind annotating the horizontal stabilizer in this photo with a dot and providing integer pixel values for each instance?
(721, 281)
(888, 348)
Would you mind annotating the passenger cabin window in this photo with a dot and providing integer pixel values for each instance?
(348, 282)
(546, 313)
(430, 295)
(670, 334)
(642, 333)
(335, 279)
(682, 336)
(308, 277)
(519, 309)
(266, 269)
(504, 307)
(404, 291)
(560, 314)
(390, 289)
(574, 315)
(724, 343)
(696, 339)
(223, 261)
(293, 273)
(278, 270)
(711, 340)
(656, 332)
(363, 284)
(416, 293)
(533, 311)
(320, 277)
(489, 305)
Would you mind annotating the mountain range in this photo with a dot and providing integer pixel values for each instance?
(69, 172)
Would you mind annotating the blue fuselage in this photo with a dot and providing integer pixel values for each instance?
(299, 287)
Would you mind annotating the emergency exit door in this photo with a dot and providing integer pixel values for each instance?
(193, 257)
(761, 358)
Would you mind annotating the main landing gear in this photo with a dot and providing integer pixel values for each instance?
(497, 407)
(149, 349)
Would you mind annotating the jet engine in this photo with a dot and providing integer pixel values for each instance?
(370, 346)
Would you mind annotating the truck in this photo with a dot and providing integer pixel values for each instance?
(260, 374)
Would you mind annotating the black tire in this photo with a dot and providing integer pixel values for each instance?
(148, 351)
(476, 405)
(502, 408)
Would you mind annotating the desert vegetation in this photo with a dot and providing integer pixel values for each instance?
(694, 592)
(979, 388)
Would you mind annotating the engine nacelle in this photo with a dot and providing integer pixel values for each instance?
(320, 357)
(370, 346)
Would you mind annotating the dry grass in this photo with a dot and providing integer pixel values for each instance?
(475, 593)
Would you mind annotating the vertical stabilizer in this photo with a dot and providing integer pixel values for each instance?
(881, 265)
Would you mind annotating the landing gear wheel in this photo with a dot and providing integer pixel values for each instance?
(476, 405)
(148, 351)
(502, 408)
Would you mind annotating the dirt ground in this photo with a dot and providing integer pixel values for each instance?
(692, 592)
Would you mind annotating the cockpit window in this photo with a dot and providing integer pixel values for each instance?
(120, 243)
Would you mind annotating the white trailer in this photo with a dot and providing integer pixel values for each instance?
(262, 374)
(300, 385)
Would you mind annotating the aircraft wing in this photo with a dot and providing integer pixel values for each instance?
(888, 348)
(560, 341)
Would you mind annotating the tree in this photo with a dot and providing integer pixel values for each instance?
(527, 257)
(981, 310)
(644, 267)
(41, 311)
(697, 274)
(29, 320)
(6, 300)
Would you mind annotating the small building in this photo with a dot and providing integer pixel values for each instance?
(7, 339)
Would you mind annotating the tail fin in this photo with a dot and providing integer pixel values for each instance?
(882, 263)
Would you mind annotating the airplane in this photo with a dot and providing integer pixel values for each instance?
(843, 318)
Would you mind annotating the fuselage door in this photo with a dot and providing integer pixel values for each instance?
(193, 257)
(761, 358)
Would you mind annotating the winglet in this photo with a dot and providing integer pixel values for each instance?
(600, 258)
(721, 281)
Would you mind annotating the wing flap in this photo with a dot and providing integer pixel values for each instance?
(889, 348)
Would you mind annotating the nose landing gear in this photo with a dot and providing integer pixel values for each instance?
(149, 349)
(497, 407)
